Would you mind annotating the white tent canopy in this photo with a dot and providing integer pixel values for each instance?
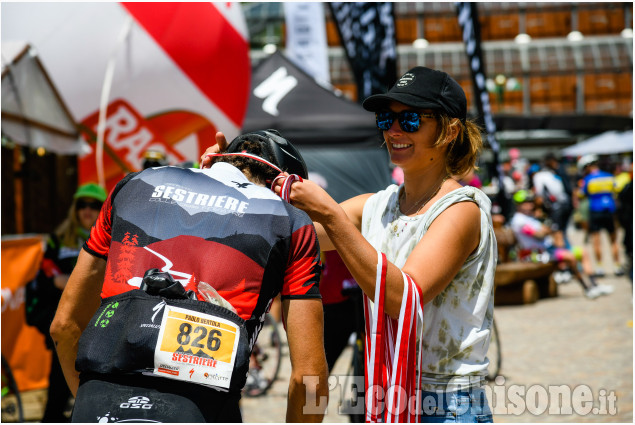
(33, 113)
(610, 142)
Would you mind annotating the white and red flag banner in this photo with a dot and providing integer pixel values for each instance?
(140, 75)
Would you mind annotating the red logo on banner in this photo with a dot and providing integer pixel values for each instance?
(128, 136)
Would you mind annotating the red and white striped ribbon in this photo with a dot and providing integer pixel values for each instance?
(285, 188)
(393, 369)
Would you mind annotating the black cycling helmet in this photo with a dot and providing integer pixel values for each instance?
(276, 149)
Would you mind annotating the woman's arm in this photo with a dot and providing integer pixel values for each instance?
(352, 208)
(433, 263)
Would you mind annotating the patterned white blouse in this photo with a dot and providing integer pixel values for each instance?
(458, 321)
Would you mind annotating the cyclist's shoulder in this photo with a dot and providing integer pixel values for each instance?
(297, 217)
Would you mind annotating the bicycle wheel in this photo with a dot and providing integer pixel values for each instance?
(265, 360)
(11, 401)
(494, 354)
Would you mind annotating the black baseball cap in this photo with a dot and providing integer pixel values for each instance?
(423, 88)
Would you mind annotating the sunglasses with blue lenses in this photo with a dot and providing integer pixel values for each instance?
(409, 121)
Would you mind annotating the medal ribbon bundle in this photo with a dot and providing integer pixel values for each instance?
(393, 365)
(285, 188)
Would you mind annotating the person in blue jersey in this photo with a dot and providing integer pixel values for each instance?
(599, 187)
(187, 263)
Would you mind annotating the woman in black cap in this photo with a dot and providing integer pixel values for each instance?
(432, 229)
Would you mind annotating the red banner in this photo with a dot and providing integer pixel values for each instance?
(128, 136)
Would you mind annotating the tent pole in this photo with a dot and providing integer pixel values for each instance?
(18, 188)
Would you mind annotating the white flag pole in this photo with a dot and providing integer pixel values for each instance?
(103, 103)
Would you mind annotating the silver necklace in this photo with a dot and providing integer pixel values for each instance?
(424, 199)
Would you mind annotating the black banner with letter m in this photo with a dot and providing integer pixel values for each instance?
(367, 31)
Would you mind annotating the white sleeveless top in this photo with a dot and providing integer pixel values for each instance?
(457, 322)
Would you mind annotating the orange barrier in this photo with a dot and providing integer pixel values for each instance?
(22, 345)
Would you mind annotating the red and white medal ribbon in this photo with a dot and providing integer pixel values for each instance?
(285, 188)
(393, 368)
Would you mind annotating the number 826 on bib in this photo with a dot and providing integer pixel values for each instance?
(198, 334)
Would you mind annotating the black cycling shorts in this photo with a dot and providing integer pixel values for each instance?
(560, 214)
(599, 220)
(139, 398)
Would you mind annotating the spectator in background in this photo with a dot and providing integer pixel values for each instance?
(554, 163)
(536, 240)
(43, 294)
(599, 187)
(517, 176)
(581, 210)
(551, 184)
(470, 179)
(625, 217)
(622, 176)
(519, 169)
(154, 158)
(342, 299)
(531, 170)
(397, 175)
(508, 182)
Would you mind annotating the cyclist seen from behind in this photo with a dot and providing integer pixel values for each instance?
(600, 187)
(187, 263)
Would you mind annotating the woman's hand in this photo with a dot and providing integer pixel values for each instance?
(309, 197)
(220, 146)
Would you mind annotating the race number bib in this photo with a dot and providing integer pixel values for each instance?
(196, 347)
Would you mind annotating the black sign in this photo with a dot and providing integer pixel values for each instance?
(468, 20)
(367, 31)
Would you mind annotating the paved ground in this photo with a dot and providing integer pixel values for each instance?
(570, 341)
(583, 347)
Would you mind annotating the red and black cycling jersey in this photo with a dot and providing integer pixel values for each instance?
(212, 226)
